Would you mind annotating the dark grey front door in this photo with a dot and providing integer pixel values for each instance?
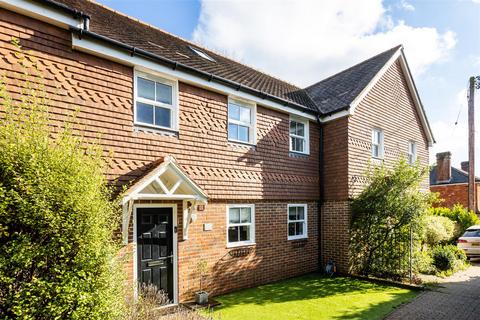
(155, 248)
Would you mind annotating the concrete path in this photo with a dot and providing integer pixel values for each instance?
(457, 297)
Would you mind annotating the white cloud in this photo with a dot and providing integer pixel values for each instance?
(404, 4)
(305, 41)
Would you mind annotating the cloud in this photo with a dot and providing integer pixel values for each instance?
(306, 41)
(404, 4)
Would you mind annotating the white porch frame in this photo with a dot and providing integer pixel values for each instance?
(175, 245)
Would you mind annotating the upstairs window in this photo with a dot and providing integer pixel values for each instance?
(377, 143)
(297, 221)
(299, 136)
(240, 225)
(241, 122)
(412, 152)
(155, 102)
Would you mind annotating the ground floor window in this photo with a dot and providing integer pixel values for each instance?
(297, 221)
(240, 224)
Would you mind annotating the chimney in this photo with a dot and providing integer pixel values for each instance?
(444, 170)
(464, 165)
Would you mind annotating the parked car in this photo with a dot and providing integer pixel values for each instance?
(470, 242)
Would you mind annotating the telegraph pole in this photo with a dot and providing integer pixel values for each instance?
(471, 146)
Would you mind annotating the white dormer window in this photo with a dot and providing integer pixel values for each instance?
(241, 122)
(299, 136)
(412, 152)
(155, 102)
(377, 144)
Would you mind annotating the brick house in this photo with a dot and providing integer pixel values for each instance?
(223, 163)
(451, 183)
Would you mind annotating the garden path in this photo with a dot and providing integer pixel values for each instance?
(457, 297)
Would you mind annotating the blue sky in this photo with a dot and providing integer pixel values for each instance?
(441, 38)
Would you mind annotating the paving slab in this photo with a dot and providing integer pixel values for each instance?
(457, 297)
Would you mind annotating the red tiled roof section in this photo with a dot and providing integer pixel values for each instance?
(117, 26)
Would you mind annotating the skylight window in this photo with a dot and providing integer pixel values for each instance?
(202, 54)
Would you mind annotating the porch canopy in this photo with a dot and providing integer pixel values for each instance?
(165, 181)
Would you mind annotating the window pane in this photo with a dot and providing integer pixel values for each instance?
(300, 213)
(245, 215)
(375, 137)
(245, 114)
(300, 129)
(375, 150)
(233, 131)
(299, 228)
(232, 234)
(146, 88)
(291, 229)
(164, 93)
(233, 111)
(162, 117)
(234, 215)
(244, 233)
(293, 127)
(144, 113)
(243, 133)
(292, 213)
(297, 144)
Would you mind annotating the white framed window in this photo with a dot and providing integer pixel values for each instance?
(156, 102)
(377, 143)
(240, 224)
(299, 136)
(297, 221)
(412, 152)
(241, 121)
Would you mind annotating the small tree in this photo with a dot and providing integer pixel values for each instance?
(57, 250)
(383, 217)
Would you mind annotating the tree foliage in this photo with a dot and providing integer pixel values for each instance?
(58, 257)
(383, 215)
(464, 217)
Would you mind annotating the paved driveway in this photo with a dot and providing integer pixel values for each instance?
(455, 298)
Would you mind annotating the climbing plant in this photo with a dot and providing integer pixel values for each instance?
(386, 215)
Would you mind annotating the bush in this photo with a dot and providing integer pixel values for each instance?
(459, 214)
(423, 262)
(448, 258)
(384, 215)
(58, 259)
(437, 229)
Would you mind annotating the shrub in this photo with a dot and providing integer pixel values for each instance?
(384, 215)
(423, 262)
(437, 229)
(58, 259)
(459, 214)
(448, 258)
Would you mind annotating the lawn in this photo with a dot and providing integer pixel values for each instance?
(312, 297)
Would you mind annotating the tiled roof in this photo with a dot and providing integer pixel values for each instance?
(117, 26)
(328, 96)
(458, 176)
(337, 92)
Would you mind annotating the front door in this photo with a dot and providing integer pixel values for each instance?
(155, 248)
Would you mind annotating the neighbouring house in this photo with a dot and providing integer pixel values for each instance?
(451, 183)
(223, 163)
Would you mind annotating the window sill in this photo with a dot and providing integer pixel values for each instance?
(137, 127)
(297, 238)
(240, 245)
(298, 154)
(241, 144)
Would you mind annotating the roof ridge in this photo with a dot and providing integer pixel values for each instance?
(200, 46)
(397, 47)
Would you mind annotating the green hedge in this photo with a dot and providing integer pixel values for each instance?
(58, 259)
(459, 214)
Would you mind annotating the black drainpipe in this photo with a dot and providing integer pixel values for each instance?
(321, 191)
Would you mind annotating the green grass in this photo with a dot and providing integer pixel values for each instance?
(312, 297)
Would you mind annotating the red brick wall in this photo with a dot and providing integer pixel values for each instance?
(388, 106)
(452, 194)
(265, 174)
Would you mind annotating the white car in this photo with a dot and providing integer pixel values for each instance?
(470, 242)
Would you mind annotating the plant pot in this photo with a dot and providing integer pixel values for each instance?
(201, 297)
